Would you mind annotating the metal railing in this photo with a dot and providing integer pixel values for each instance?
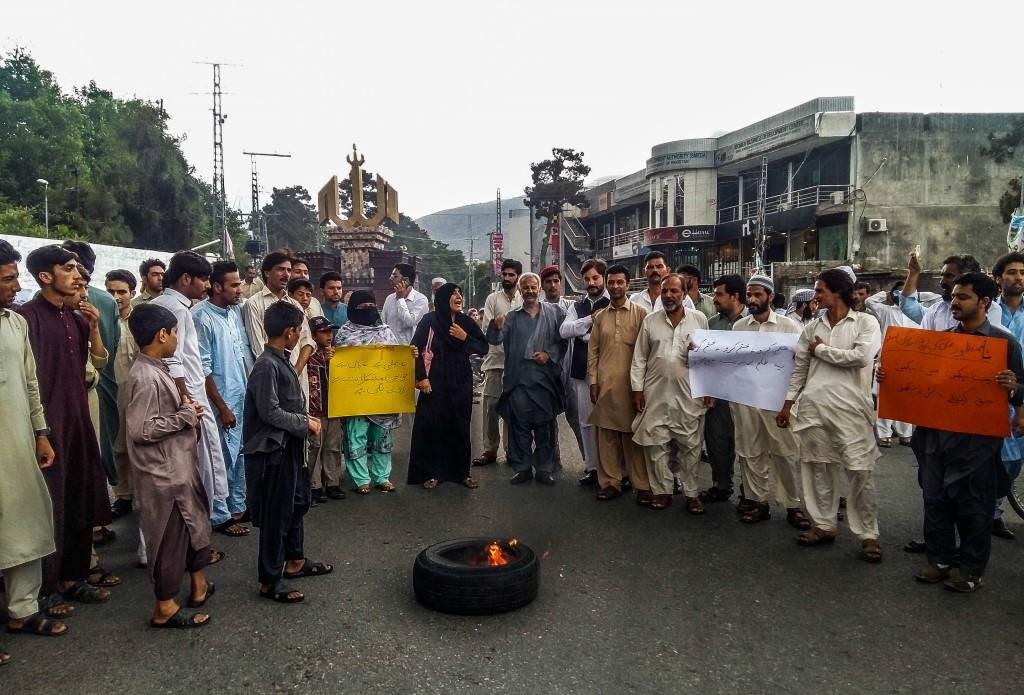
(802, 198)
(575, 234)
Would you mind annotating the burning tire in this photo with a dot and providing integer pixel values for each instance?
(466, 577)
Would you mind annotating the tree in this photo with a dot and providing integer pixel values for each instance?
(1001, 148)
(292, 221)
(556, 182)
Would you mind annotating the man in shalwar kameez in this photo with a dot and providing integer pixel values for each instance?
(532, 391)
(767, 453)
(160, 434)
(834, 418)
(62, 340)
(26, 515)
(666, 412)
(186, 281)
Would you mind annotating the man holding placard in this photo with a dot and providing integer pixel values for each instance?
(959, 471)
(834, 421)
(767, 453)
(667, 413)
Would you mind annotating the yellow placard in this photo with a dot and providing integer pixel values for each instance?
(371, 380)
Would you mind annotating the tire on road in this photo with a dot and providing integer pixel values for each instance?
(446, 585)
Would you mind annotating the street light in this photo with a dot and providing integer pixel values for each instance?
(46, 204)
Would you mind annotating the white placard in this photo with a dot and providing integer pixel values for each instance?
(742, 366)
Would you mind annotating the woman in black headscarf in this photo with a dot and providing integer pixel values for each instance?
(440, 434)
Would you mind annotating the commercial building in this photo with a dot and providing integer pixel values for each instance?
(831, 186)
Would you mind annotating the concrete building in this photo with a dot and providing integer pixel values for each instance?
(839, 187)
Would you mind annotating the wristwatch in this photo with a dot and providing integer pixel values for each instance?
(45, 432)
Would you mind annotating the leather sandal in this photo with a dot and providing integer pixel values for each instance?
(761, 511)
(660, 502)
(797, 519)
(486, 458)
(871, 551)
(694, 506)
(815, 536)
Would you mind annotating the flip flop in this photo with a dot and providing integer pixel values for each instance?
(106, 579)
(216, 556)
(181, 621)
(226, 527)
(310, 569)
(199, 603)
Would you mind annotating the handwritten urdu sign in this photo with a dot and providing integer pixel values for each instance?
(946, 381)
(371, 380)
(742, 366)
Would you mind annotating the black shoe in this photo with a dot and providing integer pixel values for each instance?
(677, 489)
(319, 496)
(915, 547)
(626, 484)
(544, 478)
(589, 479)
(1000, 531)
(120, 508)
(335, 492)
(521, 477)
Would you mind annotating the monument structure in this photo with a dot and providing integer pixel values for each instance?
(361, 240)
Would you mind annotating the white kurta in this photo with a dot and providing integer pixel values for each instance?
(833, 418)
(403, 315)
(187, 363)
(766, 451)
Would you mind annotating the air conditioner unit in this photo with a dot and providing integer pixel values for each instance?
(877, 225)
(838, 197)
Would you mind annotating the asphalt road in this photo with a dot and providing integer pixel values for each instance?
(630, 601)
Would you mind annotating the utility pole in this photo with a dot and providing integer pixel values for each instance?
(220, 215)
(257, 220)
(761, 235)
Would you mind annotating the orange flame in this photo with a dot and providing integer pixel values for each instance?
(496, 555)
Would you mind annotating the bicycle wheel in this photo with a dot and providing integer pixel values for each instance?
(1016, 496)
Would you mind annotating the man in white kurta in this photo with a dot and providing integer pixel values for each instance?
(498, 303)
(767, 453)
(833, 417)
(26, 514)
(186, 367)
(404, 307)
(666, 412)
(885, 306)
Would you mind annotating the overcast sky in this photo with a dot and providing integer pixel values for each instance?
(450, 100)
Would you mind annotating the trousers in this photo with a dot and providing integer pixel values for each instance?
(324, 457)
(720, 441)
(532, 444)
(820, 482)
(616, 451)
(367, 451)
(659, 458)
(176, 556)
(492, 429)
(22, 584)
(282, 494)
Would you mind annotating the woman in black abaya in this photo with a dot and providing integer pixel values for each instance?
(440, 434)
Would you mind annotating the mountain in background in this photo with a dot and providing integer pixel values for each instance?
(456, 225)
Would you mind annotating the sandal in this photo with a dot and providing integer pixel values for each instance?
(797, 519)
(759, 512)
(216, 556)
(660, 502)
(310, 569)
(54, 607)
(815, 536)
(105, 581)
(282, 594)
(644, 498)
(38, 624)
(181, 621)
(471, 484)
(885, 442)
(430, 484)
(232, 528)
(200, 602)
(714, 494)
(694, 506)
(386, 486)
(363, 490)
(83, 593)
(4, 658)
(871, 551)
(103, 536)
(486, 458)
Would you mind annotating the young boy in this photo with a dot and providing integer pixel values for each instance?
(301, 290)
(324, 458)
(274, 429)
(161, 431)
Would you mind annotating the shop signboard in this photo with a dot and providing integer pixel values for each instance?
(691, 234)
(626, 250)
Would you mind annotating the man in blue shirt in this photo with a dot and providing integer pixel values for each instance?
(1009, 274)
(227, 360)
(335, 310)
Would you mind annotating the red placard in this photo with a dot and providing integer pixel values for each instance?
(946, 381)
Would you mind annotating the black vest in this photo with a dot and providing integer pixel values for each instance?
(578, 368)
